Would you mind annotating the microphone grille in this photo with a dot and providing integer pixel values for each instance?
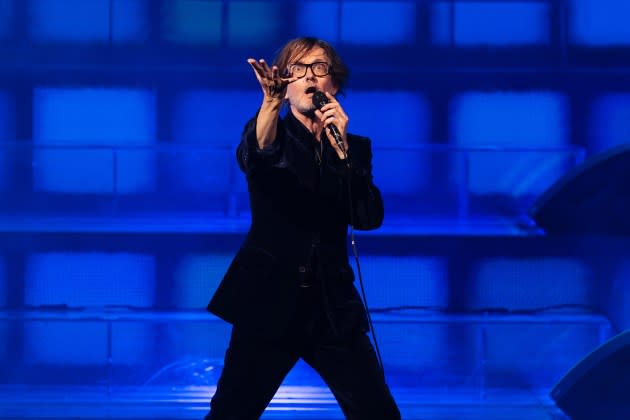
(319, 99)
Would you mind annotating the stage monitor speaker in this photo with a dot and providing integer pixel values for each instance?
(592, 198)
(598, 387)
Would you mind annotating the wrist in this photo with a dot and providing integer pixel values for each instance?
(272, 102)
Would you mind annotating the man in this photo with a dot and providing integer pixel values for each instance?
(289, 291)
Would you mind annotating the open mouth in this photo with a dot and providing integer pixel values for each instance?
(311, 89)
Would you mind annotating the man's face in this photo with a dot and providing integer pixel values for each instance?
(300, 93)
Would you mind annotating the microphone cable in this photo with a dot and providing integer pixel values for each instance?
(319, 100)
(355, 253)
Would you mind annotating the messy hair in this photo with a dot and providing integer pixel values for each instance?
(297, 48)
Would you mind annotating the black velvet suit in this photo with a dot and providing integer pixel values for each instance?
(289, 292)
(300, 207)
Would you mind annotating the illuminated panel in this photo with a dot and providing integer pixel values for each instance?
(610, 121)
(79, 120)
(192, 21)
(597, 23)
(69, 20)
(490, 23)
(83, 343)
(133, 343)
(393, 281)
(533, 284)
(214, 118)
(507, 120)
(308, 23)
(378, 23)
(197, 277)
(7, 115)
(6, 18)
(617, 306)
(199, 349)
(396, 170)
(5, 342)
(87, 343)
(3, 283)
(530, 283)
(7, 132)
(89, 279)
(244, 29)
(130, 20)
(66, 343)
(536, 353)
(87, 21)
(442, 23)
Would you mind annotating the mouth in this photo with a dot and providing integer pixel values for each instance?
(310, 90)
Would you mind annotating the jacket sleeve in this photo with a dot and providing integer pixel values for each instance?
(366, 201)
(250, 157)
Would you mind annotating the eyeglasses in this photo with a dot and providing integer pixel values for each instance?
(319, 69)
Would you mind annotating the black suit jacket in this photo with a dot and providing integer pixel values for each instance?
(299, 193)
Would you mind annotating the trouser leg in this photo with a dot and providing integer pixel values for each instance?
(253, 370)
(350, 368)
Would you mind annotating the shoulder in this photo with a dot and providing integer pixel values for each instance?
(360, 144)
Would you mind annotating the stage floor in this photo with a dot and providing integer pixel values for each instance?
(291, 402)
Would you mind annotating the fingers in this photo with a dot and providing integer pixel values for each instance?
(263, 72)
(269, 78)
(336, 116)
(261, 68)
(333, 113)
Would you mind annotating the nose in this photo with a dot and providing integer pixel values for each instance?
(312, 76)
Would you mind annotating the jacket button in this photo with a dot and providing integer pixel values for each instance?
(302, 269)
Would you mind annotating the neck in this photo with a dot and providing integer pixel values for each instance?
(310, 121)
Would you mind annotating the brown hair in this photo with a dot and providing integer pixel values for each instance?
(297, 48)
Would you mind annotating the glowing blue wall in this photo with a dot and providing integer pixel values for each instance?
(140, 103)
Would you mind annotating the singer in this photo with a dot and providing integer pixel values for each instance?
(289, 293)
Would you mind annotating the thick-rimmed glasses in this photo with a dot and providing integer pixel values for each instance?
(319, 69)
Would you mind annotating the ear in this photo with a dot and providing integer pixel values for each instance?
(334, 90)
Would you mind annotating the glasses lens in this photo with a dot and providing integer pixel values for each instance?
(298, 70)
(320, 69)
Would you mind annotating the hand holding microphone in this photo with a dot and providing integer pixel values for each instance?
(331, 111)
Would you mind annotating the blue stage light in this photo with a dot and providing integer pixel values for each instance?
(245, 31)
(214, 119)
(6, 18)
(530, 283)
(196, 278)
(472, 23)
(3, 283)
(322, 28)
(192, 22)
(88, 21)
(398, 167)
(378, 22)
(92, 280)
(68, 343)
(7, 132)
(89, 124)
(89, 279)
(597, 23)
(395, 281)
(506, 120)
(609, 122)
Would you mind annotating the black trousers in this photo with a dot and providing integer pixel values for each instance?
(255, 367)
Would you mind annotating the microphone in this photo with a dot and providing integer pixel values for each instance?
(319, 100)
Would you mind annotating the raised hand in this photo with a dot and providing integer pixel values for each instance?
(273, 86)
